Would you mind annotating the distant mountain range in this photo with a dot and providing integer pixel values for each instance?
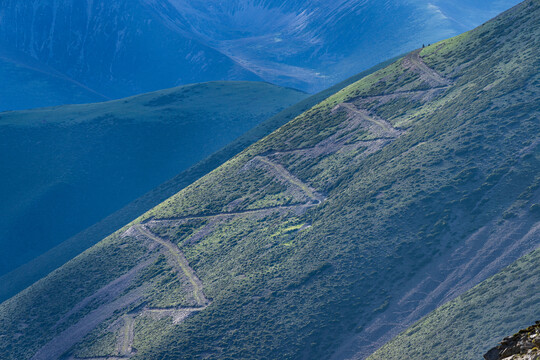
(414, 189)
(89, 50)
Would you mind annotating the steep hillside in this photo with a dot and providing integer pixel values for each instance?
(369, 210)
(34, 270)
(469, 326)
(123, 47)
(66, 168)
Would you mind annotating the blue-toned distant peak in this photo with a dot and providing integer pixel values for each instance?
(125, 47)
(468, 14)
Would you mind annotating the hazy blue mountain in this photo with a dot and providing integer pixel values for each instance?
(119, 48)
(65, 168)
(27, 83)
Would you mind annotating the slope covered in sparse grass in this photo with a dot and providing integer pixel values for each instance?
(359, 216)
(30, 272)
(65, 168)
(469, 326)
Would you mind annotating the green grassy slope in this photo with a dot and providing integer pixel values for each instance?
(469, 326)
(68, 167)
(27, 274)
(308, 238)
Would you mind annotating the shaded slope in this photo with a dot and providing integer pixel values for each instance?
(29, 84)
(469, 326)
(68, 167)
(410, 171)
(118, 48)
(29, 273)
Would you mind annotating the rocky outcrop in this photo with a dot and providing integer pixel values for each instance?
(525, 345)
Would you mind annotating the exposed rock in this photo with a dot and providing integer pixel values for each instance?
(525, 345)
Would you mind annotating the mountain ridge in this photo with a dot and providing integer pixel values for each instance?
(123, 48)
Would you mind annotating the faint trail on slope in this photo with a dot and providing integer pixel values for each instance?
(414, 63)
(283, 174)
(329, 147)
(100, 358)
(412, 93)
(249, 212)
(182, 261)
(75, 333)
(177, 314)
(106, 293)
(126, 340)
(382, 127)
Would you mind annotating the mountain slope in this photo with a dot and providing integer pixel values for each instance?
(312, 44)
(469, 326)
(120, 48)
(29, 84)
(34, 270)
(306, 242)
(68, 167)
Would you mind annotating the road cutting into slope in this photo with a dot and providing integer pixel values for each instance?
(126, 343)
(363, 115)
(179, 256)
(416, 64)
(281, 173)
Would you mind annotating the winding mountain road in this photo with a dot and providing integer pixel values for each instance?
(414, 63)
(179, 256)
(363, 115)
(359, 119)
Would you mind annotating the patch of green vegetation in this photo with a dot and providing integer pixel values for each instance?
(100, 342)
(288, 229)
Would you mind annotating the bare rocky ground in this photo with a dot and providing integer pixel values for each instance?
(525, 345)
